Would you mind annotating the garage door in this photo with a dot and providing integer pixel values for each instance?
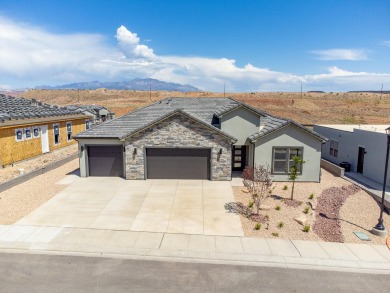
(178, 163)
(105, 160)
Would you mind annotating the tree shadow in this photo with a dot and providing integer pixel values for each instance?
(339, 219)
(276, 197)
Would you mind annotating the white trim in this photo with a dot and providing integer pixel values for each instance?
(59, 134)
(25, 133)
(16, 136)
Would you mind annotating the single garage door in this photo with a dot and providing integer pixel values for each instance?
(178, 163)
(105, 160)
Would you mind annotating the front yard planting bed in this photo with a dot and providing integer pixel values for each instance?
(333, 208)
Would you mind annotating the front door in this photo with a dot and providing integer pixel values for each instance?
(239, 157)
(44, 139)
(360, 164)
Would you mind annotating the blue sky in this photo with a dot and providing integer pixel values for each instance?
(249, 45)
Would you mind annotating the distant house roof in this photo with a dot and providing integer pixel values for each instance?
(12, 108)
(204, 110)
(91, 108)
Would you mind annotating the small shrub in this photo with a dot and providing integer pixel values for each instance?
(275, 234)
(306, 210)
(277, 208)
(285, 187)
(306, 228)
(311, 196)
(251, 203)
(258, 226)
(280, 225)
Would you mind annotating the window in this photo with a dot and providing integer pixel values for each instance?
(27, 133)
(36, 132)
(69, 131)
(56, 131)
(334, 148)
(87, 124)
(282, 159)
(18, 134)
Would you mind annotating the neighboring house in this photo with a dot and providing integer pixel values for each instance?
(100, 114)
(197, 138)
(362, 146)
(29, 128)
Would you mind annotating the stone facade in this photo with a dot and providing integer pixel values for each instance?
(179, 131)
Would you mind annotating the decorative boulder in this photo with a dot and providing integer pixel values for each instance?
(301, 220)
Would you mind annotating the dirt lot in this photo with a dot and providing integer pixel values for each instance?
(308, 108)
(359, 213)
(26, 166)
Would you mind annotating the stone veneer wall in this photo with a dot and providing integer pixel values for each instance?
(179, 131)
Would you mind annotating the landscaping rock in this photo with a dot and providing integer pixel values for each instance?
(264, 207)
(327, 224)
(301, 220)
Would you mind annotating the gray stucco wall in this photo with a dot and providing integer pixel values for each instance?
(178, 131)
(240, 124)
(83, 154)
(291, 136)
(349, 142)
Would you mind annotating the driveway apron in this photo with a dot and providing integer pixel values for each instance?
(173, 206)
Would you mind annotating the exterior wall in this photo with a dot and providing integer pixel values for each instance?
(84, 142)
(291, 136)
(178, 131)
(12, 151)
(375, 144)
(240, 124)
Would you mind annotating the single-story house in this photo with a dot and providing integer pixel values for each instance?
(99, 113)
(29, 128)
(197, 138)
(363, 147)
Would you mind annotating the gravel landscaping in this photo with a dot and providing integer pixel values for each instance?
(353, 209)
(12, 171)
(20, 200)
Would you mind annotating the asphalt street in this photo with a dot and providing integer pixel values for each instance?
(54, 273)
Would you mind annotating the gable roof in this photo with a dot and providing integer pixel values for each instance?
(12, 108)
(203, 110)
(272, 123)
(235, 105)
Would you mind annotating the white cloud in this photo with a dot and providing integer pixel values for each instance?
(341, 54)
(130, 45)
(32, 56)
(386, 43)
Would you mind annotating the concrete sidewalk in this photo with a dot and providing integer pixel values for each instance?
(363, 258)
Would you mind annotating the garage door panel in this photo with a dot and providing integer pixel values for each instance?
(105, 161)
(178, 163)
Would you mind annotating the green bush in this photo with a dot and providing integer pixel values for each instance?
(280, 225)
(257, 226)
(285, 187)
(311, 196)
(275, 234)
(306, 228)
(306, 210)
(277, 208)
(251, 203)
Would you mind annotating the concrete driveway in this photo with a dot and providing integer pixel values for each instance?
(173, 206)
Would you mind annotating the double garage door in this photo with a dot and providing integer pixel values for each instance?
(161, 163)
(177, 163)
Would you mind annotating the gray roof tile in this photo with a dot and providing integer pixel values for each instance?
(12, 108)
(202, 109)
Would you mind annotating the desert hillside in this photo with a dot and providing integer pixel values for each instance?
(308, 108)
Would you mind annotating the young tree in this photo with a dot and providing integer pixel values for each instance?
(295, 171)
(258, 182)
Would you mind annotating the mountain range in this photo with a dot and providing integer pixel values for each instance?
(135, 84)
